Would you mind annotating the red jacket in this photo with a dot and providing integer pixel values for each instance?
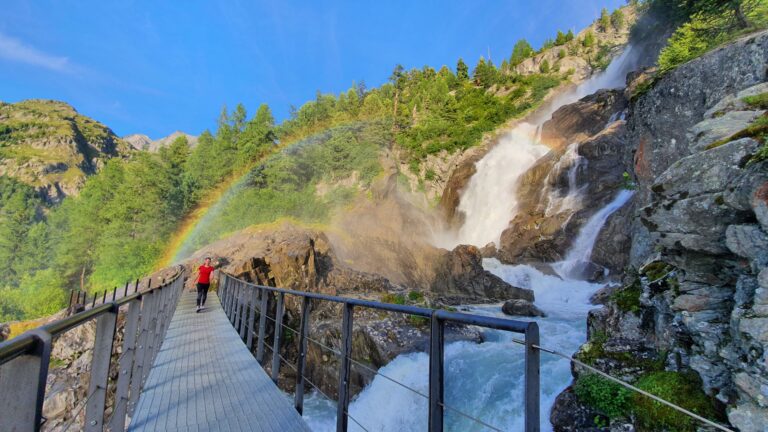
(205, 274)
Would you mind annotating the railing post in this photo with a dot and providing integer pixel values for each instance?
(302, 360)
(225, 305)
(248, 306)
(106, 324)
(532, 383)
(152, 333)
(71, 299)
(26, 375)
(125, 366)
(263, 310)
(344, 365)
(235, 303)
(251, 318)
(154, 299)
(436, 358)
(278, 337)
(141, 348)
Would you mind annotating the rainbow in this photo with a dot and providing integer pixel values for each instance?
(195, 217)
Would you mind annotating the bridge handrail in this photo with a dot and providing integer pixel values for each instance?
(235, 301)
(24, 360)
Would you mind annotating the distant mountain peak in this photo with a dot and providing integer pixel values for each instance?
(143, 142)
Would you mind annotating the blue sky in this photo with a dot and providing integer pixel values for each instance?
(158, 66)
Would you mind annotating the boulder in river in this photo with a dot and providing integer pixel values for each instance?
(522, 308)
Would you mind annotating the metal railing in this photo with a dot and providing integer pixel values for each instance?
(24, 360)
(241, 301)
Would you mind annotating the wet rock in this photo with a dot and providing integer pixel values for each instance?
(603, 294)
(522, 308)
(489, 250)
(461, 278)
(569, 414)
(585, 118)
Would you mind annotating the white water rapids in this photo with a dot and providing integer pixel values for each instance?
(486, 380)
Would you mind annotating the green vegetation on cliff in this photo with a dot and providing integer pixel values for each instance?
(704, 25)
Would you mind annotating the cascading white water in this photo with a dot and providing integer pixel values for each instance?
(581, 250)
(571, 201)
(486, 380)
(491, 195)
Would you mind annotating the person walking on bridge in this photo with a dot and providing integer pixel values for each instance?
(203, 283)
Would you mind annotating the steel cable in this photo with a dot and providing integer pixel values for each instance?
(375, 372)
(547, 350)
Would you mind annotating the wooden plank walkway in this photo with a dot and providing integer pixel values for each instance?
(205, 379)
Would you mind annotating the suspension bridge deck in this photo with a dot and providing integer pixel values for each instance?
(204, 378)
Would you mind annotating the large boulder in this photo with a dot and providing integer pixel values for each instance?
(522, 308)
(461, 278)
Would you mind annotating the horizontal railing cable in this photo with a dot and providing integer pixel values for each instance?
(633, 388)
(515, 340)
(317, 388)
(369, 369)
(79, 409)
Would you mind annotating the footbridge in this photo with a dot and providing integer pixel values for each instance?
(159, 365)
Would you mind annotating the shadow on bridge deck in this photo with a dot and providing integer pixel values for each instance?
(204, 378)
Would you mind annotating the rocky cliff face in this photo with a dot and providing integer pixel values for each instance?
(48, 145)
(698, 236)
(583, 173)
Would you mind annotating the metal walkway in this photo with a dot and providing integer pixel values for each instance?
(204, 378)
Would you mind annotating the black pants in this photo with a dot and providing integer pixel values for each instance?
(202, 293)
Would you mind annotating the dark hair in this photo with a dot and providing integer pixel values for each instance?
(207, 258)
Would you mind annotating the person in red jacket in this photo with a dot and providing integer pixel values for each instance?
(203, 283)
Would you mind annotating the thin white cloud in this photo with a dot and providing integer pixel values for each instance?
(15, 50)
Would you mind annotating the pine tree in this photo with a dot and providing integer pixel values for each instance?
(605, 20)
(560, 39)
(589, 39)
(521, 51)
(462, 70)
(617, 19)
(569, 36)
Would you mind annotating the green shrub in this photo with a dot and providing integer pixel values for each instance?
(759, 101)
(418, 321)
(593, 349)
(398, 299)
(628, 298)
(415, 296)
(604, 395)
(430, 175)
(685, 44)
(683, 389)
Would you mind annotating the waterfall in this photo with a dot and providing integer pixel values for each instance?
(489, 200)
(491, 194)
(581, 250)
(572, 160)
